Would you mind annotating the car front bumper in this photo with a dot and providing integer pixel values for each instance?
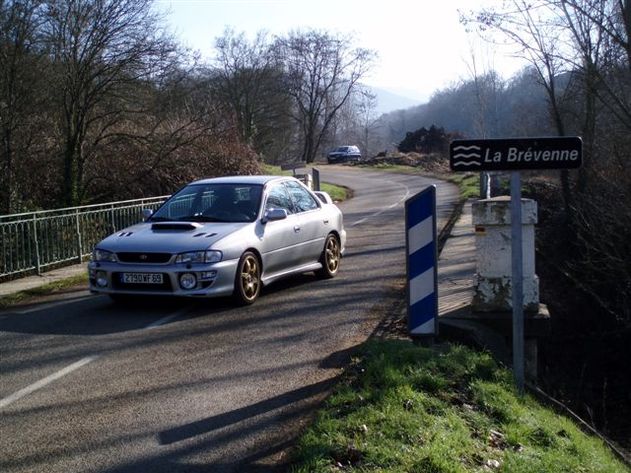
(343, 158)
(212, 280)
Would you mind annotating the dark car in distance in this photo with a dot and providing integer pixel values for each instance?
(344, 154)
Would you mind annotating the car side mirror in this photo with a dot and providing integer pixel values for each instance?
(146, 213)
(272, 215)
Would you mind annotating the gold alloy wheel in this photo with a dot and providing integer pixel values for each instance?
(332, 254)
(250, 277)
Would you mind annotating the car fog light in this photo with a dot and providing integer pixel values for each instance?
(101, 279)
(188, 281)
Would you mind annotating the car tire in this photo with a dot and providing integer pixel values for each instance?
(330, 258)
(247, 282)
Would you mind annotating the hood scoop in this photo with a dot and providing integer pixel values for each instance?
(206, 235)
(181, 226)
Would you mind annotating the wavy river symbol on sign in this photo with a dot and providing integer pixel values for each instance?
(467, 156)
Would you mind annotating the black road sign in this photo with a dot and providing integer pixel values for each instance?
(516, 154)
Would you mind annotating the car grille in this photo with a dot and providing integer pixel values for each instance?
(164, 287)
(144, 258)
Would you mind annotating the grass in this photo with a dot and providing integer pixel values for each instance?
(271, 170)
(403, 408)
(469, 184)
(47, 289)
(337, 193)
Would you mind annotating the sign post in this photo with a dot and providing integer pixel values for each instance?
(515, 155)
(517, 281)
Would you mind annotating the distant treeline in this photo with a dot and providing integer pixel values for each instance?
(481, 107)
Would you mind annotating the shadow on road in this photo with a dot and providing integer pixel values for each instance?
(93, 315)
(210, 424)
(240, 425)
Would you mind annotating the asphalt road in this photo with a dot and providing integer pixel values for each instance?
(87, 386)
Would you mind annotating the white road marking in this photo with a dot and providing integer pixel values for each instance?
(383, 209)
(79, 364)
(52, 304)
(46, 381)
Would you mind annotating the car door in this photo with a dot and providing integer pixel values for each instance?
(280, 247)
(313, 227)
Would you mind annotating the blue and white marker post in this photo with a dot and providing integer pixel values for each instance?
(422, 263)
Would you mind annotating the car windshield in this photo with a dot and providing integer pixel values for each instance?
(212, 203)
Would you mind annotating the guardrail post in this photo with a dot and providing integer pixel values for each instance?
(112, 219)
(78, 231)
(315, 172)
(4, 268)
(36, 241)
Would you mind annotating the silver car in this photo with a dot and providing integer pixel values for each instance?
(222, 236)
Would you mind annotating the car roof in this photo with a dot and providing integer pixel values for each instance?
(261, 180)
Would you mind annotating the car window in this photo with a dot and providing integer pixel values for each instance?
(277, 198)
(229, 203)
(212, 203)
(301, 197)
(247, 201)
(180, 204)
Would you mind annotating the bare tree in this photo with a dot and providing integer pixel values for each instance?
(322, 70)
(486, 92)
(368, 120)
(344, 126)
(488, 87)
(20, 86)
(101, 50)
(530, 27)
(247, 78)
(601, 34)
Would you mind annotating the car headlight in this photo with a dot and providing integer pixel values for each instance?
(207, 256)
(103, 255)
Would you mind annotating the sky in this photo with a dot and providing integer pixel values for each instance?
(421, 45)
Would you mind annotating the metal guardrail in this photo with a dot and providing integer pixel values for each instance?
(34, 241)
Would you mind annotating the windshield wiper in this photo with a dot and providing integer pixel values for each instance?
(200, 218)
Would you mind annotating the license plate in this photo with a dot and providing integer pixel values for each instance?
(141, 278)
